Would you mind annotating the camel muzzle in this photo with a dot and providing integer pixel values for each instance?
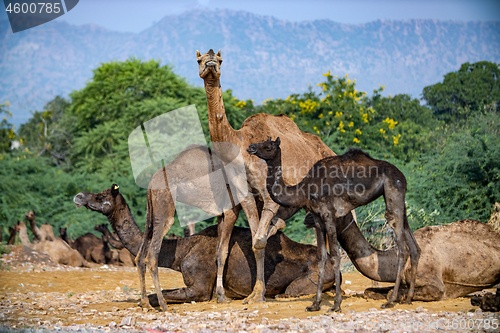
(252, 150)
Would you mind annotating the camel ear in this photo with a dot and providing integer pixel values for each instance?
(198, 54)
(277, 142)
(114, 190)
(218, 53)
(269, 139)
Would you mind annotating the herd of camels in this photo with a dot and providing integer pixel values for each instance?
(224, 261)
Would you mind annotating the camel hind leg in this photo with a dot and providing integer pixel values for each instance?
(395, 213)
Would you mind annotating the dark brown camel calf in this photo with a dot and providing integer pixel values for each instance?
(331, 189)
(291, 269)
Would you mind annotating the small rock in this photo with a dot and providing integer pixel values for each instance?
(127, 321)
(479, 310)
(419, 309)
(112, 324)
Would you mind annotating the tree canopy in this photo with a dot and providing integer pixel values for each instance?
(464, 92)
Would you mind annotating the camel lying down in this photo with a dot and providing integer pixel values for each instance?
(456, 259)
(291, 268)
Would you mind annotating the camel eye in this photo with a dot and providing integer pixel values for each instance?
(269, 148)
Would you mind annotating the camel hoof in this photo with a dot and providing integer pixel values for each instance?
(312, 308)
(254, 299)
(334, 309)
(223, 299)
(388, 305)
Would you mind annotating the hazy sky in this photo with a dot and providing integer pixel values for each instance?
(137, 15)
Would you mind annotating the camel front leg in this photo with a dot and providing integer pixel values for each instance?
(322, 255)
(250, 207)
(331, 232)
(140, 262)
(414, 258)
(225, 228)
(160, 230)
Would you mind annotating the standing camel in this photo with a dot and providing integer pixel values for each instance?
(303, 150)
(331, 189)
(187, 183)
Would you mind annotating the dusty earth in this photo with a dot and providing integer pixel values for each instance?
(37, 293)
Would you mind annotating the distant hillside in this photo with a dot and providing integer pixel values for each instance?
(263, 56)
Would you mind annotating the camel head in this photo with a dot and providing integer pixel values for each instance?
(63, 232)
(209, 64)
(266, 150)
(104, 202)
(30, 215)
(101, 228)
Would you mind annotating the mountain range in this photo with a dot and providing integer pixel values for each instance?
(264, 57)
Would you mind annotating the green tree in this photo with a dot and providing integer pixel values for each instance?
(464, 92)
(49, 132)
(461, 179)
(7, 134)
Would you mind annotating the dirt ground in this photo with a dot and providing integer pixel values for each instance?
(34, 291)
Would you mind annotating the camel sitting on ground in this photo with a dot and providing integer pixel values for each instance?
(455, 260)
(57, 249)
(331, 189)
(44, 233)
(291, 268)
(123, 256)
(91, 247)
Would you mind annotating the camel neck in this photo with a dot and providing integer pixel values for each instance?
(372, 263)
(124, 225)
(288, 196)
(218, 124)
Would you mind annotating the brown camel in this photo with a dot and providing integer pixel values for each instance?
(455, 260)
(187, 183)
(332, 188)
(44, 233)
(57, 249)
(12, 236)
(123, 256)
(91, 247)
(303, 149)
(290, 269)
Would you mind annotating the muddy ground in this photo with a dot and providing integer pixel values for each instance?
(35, 292)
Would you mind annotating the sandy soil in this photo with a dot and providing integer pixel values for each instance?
(37, 292)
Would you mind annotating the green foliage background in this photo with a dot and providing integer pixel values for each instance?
(448, 148)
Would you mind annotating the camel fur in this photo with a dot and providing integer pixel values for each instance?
(331, 189)
(58, 250)
(12, 236)
(290, 268)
